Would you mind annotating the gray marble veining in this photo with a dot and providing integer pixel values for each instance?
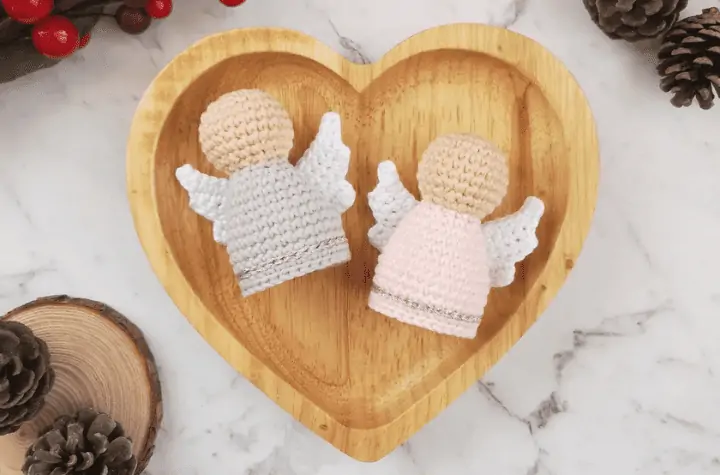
(621, 374)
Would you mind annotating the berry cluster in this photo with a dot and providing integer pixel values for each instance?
(55, 36)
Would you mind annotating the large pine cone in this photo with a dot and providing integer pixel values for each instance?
(25, 375)
(634, 20)
(690, 60)
(88, 443)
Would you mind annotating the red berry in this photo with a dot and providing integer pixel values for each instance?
(28, 11)
(159, 8)
(55, 37)
(84, 40)
(232, 3)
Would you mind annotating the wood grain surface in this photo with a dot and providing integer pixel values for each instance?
(101, 361)
(362, 381)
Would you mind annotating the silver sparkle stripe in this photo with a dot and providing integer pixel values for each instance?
(421, 307)
(322, 245)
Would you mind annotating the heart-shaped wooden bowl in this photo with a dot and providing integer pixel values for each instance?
(362, 381)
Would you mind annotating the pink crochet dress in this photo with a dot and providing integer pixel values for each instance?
(433, 272)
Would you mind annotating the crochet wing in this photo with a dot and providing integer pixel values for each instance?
(511, 239)
(326, 163)
(390, 202)
(206, 195)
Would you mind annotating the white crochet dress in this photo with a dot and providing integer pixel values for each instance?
(279, 221)
(278, 227)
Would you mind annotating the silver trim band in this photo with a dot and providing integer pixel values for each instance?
(421, 307)
(295, 256)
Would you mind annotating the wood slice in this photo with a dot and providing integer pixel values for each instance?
(101, 361)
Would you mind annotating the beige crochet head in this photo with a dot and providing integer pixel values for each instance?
(243, 128)
(465, 173)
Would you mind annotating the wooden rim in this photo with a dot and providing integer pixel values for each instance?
(537, 64)
(138, 340)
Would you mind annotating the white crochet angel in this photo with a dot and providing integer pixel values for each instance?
(437, 259)
(277, 221)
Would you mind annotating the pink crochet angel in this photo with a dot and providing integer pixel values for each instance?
(438, 261)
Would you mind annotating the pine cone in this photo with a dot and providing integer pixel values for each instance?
(634, 20)
(690, 60)
(88, 443)
(25, 375)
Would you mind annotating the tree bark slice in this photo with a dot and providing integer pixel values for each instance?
(101, 361)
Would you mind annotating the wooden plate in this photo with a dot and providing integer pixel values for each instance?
(101, 361)
(362, 381)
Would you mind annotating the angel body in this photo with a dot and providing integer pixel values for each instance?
(277, 221)
(438, 261)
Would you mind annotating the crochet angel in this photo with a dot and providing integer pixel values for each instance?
(438, 261)
(277, 221)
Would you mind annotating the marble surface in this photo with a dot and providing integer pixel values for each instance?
(620, 375)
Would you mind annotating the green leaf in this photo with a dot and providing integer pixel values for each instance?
(20, 57)
(65, 5)
(11, 30)
(85, 24)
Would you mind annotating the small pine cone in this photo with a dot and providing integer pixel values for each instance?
(26, 376)
(690, 60)
(88, 443)
(634, 20)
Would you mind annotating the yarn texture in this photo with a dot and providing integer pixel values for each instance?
(277, 221)
(463, 174)
(432, 278)
(390, 202)
(438, 261)
(244, 128)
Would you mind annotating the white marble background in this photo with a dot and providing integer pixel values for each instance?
(620, 376)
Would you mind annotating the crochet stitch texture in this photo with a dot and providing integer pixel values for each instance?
(437, 259)
(277, 221)
(462, 174)
(433, 273)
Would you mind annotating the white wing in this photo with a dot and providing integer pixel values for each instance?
(511, 239)
(326, 163)
(390, 202)
(206, 196)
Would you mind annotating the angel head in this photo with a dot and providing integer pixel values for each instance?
(243, 128)
(465, 173)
